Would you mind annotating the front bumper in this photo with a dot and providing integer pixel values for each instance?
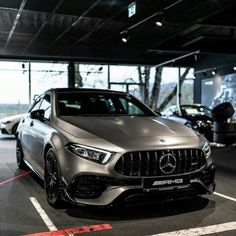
(103, 190)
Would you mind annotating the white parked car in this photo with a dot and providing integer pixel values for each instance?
(8, 125)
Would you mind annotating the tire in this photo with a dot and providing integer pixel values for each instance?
(222, 112)
(52, 180)
(14, 129)
(222, 127)
(227, 139)
(20, 156)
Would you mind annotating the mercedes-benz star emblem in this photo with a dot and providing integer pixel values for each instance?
(167, 163)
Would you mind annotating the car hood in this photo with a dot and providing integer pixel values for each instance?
(12, 118)
(132, 132)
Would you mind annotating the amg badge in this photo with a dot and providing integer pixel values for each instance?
(167, 182)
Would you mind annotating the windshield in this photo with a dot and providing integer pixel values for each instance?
(196, 110)
(95, 103)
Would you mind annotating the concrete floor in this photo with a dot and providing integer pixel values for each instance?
(18, 216)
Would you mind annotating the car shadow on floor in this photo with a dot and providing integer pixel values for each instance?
(7, 138)
(139, 211)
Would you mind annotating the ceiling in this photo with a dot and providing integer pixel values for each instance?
(89, 31)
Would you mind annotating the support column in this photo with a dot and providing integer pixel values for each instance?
(108, 77)
(178, 94)
(71, 75)
(29, 83)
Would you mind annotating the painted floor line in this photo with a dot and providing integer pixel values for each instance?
(212, 229)
(71, 231)
(16, 177)
(225, 196)
(43, 214)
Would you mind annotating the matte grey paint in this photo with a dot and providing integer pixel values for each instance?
(116, 134)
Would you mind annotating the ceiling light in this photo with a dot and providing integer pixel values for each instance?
(159, 23)
(124, 36)
(234, 67)
(214, 72)
(160, 19)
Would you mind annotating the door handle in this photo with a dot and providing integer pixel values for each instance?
(31, 123)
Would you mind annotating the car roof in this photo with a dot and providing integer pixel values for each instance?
(92, 90)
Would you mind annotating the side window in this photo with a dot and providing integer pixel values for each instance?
(46, 106)
(36, 105)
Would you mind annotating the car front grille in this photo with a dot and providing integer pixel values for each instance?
(147, 163)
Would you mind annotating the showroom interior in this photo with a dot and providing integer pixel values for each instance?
(177, 57)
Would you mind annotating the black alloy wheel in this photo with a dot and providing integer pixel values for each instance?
(52, 180)
(20, 156)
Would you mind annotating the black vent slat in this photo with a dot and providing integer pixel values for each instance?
(123, 164)
(140, 164)
(131, 163)
(155, 164)
(146, 163)
(179, 154)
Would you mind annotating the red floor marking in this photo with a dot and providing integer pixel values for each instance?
(77, 230)
(16, 177)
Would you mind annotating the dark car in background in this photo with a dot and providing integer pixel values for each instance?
(196, 116)
(98, 147)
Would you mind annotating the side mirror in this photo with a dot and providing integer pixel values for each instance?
(37, 115)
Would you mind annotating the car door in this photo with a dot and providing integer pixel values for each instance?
(26, 131)
(39, 130)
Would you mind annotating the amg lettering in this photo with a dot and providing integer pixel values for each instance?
(167, 182)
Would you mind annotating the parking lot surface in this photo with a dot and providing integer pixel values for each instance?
(24, 210)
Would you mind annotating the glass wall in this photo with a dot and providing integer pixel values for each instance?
(47, 75)
(14, 83)
(91, 76)
(16, 94)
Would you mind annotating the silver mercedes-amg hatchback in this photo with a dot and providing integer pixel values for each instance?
(100, 147)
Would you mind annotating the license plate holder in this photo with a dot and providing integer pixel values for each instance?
(167, 181)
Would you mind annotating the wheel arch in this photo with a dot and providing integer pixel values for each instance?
(14, 128)
(48, 146)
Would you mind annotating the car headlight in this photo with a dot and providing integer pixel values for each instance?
(206, 149)
(90, 153)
